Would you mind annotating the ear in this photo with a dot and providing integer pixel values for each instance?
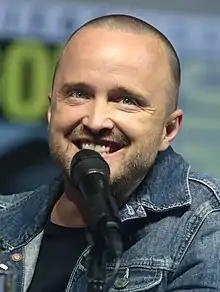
(49, 108)
(171, 129)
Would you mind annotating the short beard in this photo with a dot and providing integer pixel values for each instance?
(131, 172)
(59, 153)
(137, 169)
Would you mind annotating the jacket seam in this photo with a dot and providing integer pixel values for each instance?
(24, 199)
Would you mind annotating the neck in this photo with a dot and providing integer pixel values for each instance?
(67, 211)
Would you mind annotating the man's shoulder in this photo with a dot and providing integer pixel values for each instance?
(201, 184)
(15, 198)
(44, 194)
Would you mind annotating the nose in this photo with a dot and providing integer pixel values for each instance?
(98, 118)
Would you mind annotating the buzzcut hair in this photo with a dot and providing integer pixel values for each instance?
(128, 23)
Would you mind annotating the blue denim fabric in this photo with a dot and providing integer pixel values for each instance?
(172, 232)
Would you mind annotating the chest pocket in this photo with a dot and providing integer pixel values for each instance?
(136, 279)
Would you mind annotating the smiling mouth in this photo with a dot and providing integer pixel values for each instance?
(102, 147)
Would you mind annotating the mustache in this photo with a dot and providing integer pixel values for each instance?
(116, 137)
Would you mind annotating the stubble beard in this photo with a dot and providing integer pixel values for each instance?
(60, 152)
(133, 171)
(130, 173)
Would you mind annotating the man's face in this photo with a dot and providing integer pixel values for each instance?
(110, 95)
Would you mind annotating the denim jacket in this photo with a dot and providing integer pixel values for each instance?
(173, 232)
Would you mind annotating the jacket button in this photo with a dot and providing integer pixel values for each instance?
(16, 257)
(122, 282)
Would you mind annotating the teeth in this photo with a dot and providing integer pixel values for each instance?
(97, 148)
(85, 146)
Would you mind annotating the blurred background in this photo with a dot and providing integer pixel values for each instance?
(31, 35)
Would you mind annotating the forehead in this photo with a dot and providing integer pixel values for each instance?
(97, 51)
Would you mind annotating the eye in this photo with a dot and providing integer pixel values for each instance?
(78, 94)
(129, 101)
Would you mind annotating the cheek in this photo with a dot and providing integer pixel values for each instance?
(65, 117)
(136, 127)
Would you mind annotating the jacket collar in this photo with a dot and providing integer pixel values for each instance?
(164, 188)
(167, 185)
(25, 214)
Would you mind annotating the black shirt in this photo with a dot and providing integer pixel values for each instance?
(60, 249)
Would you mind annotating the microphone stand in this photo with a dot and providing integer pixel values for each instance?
(97, 270)
(8, 276)
(90, 173)
(97, 262)
(99, 253)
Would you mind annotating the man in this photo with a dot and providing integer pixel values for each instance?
(115, 90)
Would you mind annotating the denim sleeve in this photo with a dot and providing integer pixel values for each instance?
(199, 268)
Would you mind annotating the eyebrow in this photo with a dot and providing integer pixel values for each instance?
(76, 85)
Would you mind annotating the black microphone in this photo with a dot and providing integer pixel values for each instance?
(90, 174)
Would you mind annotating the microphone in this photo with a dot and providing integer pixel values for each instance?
(90, 173)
